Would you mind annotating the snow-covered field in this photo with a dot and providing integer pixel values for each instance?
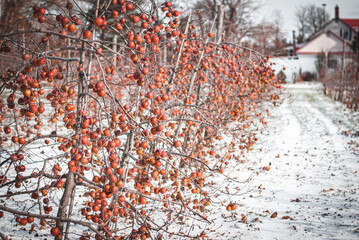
(311, 191)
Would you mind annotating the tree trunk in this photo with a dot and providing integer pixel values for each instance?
(67, 195)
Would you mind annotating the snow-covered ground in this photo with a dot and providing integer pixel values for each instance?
(311, 191)
(312, 188)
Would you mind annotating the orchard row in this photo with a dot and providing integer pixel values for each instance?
(123, 111)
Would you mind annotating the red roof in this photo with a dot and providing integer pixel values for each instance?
(354, 23)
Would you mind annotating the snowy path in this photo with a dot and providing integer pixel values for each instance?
(313, 177)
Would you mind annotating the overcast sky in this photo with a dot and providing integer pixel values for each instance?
(347, 9)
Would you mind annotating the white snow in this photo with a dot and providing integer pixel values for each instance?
(313, 177)
(295, 65)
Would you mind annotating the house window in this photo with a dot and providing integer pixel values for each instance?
(345, 33)
(333, 63)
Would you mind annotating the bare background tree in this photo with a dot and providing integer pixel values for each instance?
(310, 18)
(278, 24)
(267, 36)
(238, 15)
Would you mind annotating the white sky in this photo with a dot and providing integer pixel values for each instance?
(347, 9)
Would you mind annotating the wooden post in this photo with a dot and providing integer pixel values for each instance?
(326, 64)
(343, 54)
(164, 59)
(114, 48)
(23, 37)
(294, 46)
(341, 87)
(220, 23)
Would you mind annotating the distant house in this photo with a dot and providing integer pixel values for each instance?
(334, 41)
(323, 49)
